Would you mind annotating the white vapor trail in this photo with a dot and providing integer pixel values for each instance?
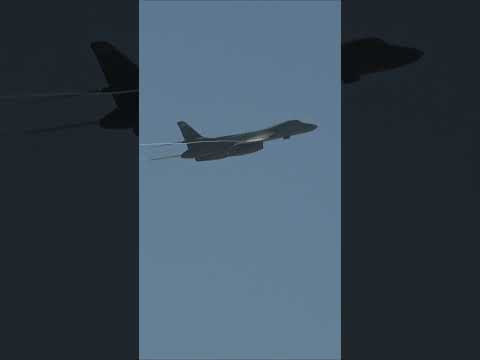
(60, 94)
(167, 157)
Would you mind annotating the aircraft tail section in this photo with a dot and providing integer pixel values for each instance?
(189, 134)
(120, 72)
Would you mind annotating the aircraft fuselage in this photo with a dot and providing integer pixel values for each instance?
(214, 148)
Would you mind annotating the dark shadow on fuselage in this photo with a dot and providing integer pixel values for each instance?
(367, 56)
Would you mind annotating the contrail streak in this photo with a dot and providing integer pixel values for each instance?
(167, 157)
(65, 94)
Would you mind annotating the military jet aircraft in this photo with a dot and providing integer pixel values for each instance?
(203, 148)
(371, 55)
(122, 78)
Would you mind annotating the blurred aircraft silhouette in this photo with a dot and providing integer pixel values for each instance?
(371, 55)
(360, 57)
(203, 148)
(122, 78)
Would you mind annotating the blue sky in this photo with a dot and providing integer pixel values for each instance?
(240, 257)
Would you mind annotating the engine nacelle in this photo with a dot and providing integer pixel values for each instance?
(208, 157)
(248, 148)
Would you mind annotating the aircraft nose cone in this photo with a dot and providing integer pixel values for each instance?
(312, 127)
(405, 56)
(413, 55)
(417, 54)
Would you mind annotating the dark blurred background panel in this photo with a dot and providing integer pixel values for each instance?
(69, 240)
(410, 186)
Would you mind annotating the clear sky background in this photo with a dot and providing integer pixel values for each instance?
(240, 257)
